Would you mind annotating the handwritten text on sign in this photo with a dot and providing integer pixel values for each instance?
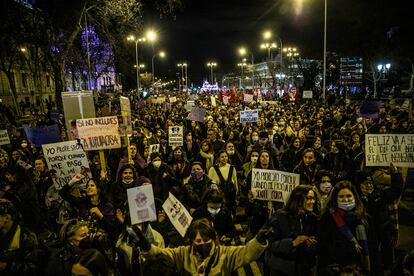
(99, 133)
(175, 136)
(67, 159)
(383, 149)
(273, 185)
(249, 116)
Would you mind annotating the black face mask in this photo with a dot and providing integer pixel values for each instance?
(86, 243)
(203, 249)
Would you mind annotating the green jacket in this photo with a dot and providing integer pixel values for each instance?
(223, 260)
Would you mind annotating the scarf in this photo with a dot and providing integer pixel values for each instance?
(209, 158)
(340, 217)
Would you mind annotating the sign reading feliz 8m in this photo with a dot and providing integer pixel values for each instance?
(383, 149)
(99, 133)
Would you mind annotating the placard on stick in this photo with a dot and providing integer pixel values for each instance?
(99, 133)
(273, 185)
(177, 213)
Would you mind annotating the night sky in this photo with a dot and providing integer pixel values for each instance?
(207, 30)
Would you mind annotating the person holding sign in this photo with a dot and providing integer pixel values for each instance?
(204, 255)
(292, 247)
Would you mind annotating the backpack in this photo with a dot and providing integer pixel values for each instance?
(227, 186)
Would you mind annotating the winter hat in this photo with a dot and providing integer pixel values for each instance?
(362, 176)
(155, 155)
(143, 180)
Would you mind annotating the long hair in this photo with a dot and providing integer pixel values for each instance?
(296, 201)
(204, 227)
(332, 204)
(94, 261)
(210, 147)
(259, 165)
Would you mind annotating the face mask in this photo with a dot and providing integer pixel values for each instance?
(24, 145)
(325, 187)
(197, 175)
(157, 164)
(127, 182)
(213, 211)
(86, 243)
(230, 152)
(347, 206)
(254, 159)
(203, 249)
(255, 138)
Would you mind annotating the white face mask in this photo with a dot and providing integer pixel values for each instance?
(213, 211)
(157, 164)
(127, 182)
(255, 138)
(230, 152)
(253, 159)
(325, 187)
(346, 206)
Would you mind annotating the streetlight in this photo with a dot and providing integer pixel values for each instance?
(382, 71)
(268, 46)
(211, 65)
(136, 40)
(162, 55)
(267, 35)
(291, 52)
(243, 52)
(242, 65)
(324, 51)
(183, 74)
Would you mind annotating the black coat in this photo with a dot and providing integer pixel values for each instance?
(281, 257)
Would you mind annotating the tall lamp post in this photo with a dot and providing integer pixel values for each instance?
(243, 52)
(267, 35)
(162, 55)
(291, 52)
(324, 51)
(211, 65)
(136, 40)
(242, 65)
(183, 74)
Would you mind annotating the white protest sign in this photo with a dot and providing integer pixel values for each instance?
(197, 114)
(189, 105)
(126, 113)
(175, 136)
(67, 159)
(178, 215)
(173, 99)
(248, 98)
(4, 137)
(405, 105)
(226, 100)
(268, 102)
(153, 148)
(383, 149)
(273, 185)
(141, 204)
(249, 116)
(213, 101)
(99, 133)
(307, 94)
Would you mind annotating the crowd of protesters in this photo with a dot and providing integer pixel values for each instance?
(341, 220)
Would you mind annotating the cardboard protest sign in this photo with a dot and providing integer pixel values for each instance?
(189, 105)
(173, 99)
(4, 137)
(248, 98)
(178, 215)
(370, 109)
(273, 185)
(153, 148)
(307, 94)
(197, 114)
(126, 113)
(141, 204)
(99, 133)
(175, 136)
(383, 149)
(67, 159)
(213, 101)
(249, 116)
(43, 135)
(226, 100)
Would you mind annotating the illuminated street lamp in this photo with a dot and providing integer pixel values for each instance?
(136, 40)
(267, 35)
(268, 46)
(183, 74)
(242, 52)
(291, 52)
(211, 65)
(242, 65)
(161, 54)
